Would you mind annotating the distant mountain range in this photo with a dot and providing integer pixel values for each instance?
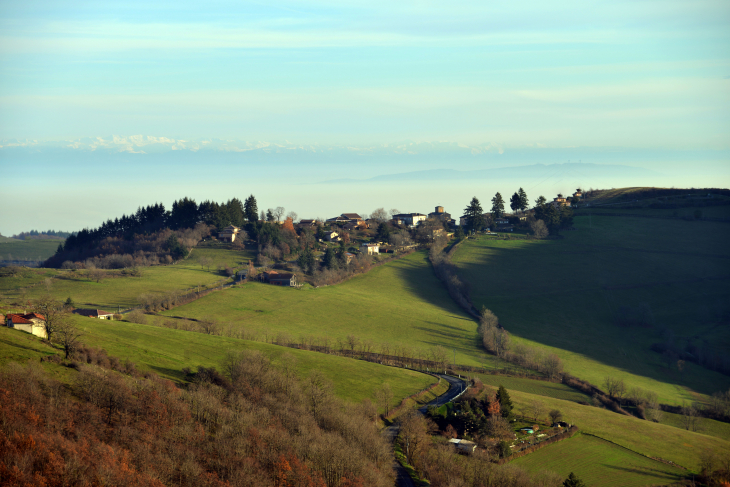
(534, 171)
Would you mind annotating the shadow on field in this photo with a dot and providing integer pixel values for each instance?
(176, 374)
(546, 293)
(654, 473)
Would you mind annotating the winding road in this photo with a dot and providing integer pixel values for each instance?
(457, 387)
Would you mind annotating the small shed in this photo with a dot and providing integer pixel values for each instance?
(463, 446)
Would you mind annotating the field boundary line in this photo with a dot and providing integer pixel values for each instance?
(656, 459)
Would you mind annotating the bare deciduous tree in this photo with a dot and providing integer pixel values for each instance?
(67, 335)
(52, 310)
(539, 229)
(383, 396)
(379, 215)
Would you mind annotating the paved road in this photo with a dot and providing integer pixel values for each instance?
(457, 386)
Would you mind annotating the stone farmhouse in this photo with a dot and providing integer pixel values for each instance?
(32, 323)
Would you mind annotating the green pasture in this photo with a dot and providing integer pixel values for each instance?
(166, 352)
(705, 426)
(537, 387)
(31, 249)
(220, 255)
(112, 291)
(400, 303)
(599, 463)
(645, 437)
(563, 295)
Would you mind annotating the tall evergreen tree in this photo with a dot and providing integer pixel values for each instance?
(474, 215)
(540, 201)
(505, 403)
(497, 206)
(514, 202)
(306, 260)
(250, 209)
(524, 203)
(330, 259)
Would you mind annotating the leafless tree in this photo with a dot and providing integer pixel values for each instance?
(379, 215)
(278, 212)
(537, 409)
(67, 335)
(209, 326)
(205, 262)
(54, 312)
(555, 415)
(393, 212)
(615, 387)
(539, 229)
(319, 391)
(137, 316)
(293, 215)
(352, 342)
(690, 419)
(383, 396)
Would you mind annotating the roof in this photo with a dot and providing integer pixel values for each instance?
(337, 219)
(30, 316)
(284, 276)
(92, 312)
(352, 216)
(18, 319)
(369, 245)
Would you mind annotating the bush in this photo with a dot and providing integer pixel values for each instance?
(137, 316)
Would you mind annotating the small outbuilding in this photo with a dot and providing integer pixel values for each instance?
(463, 446)
(94, 313)
(32, 323)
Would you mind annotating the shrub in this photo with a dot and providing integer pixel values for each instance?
(137, 316)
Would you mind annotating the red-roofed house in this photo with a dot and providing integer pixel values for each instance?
(32, 323)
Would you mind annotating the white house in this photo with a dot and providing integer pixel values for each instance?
(370, 249)
(32, 323)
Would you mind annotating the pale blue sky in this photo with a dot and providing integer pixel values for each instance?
(587, 80)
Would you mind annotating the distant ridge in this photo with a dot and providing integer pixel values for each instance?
(534, 171)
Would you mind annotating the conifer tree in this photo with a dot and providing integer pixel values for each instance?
(474, 215)
(250, 209)
(505, 403)
(497, 206)
(524, 203)
(573, 481)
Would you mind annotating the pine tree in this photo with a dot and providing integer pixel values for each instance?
(540, 201)
(330, 259)
(474, 215)
(573, 481)
(306, 261)
(514, 202)
(250, 209)
(524, 203)
(497, 206)
(505, 403)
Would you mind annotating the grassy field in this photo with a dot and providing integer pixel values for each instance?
(705, 426)
(645, 437)
(166, 352)
(564, 294)
(599, 463)
(400, 303)
(15, 249)
(537, 387)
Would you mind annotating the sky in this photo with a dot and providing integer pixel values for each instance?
(139, 102)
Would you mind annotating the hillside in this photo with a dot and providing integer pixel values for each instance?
(12, 249)
(399, 305)
(570, 294)
(166, 352)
